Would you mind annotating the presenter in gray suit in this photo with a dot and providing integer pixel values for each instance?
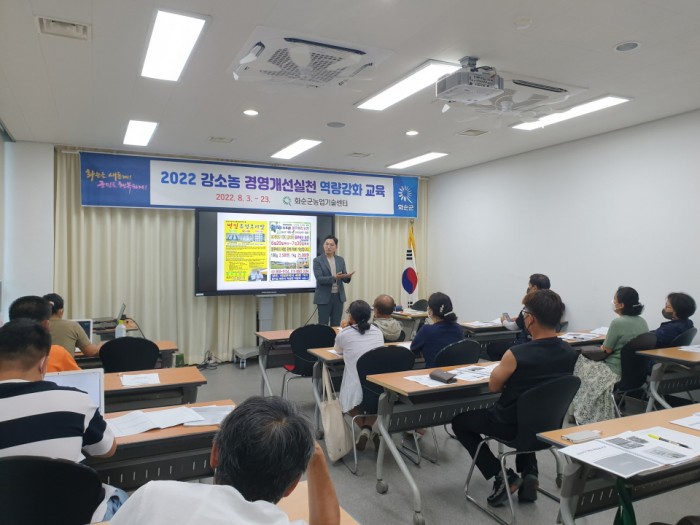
(330, 273)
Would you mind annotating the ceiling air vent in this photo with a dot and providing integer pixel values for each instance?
(51, 26)
(472, 132)
(358, 155)
(221, 140)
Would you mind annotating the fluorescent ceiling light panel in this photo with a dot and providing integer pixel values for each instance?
(139, 132)
(298, 147)
(417, 160)
(172, 41)
(426, 74)
(576, 111)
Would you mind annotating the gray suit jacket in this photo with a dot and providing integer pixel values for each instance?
(324, 279)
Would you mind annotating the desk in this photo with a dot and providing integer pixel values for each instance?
(270, 340)
(484, 332)
(167, 349)
(416, 319)
(406, 405)
(297, 508)
(587, 490)
(677, 371)
(177, 386)
(178, 453)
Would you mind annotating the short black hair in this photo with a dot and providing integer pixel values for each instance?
(546, 306)
(360, 312)
(30, 307)
(629, 298)
(335, 240)
(24, 342)
(384, 304)
(540, 280)
(441, 305)
(682, 304)
(264, 446)
(55, 300)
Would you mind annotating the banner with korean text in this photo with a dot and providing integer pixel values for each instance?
(146, 182)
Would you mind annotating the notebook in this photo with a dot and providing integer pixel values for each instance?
(91, 381)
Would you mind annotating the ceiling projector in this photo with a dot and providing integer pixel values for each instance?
(469, 84)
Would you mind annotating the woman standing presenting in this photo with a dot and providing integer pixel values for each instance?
(594, 402)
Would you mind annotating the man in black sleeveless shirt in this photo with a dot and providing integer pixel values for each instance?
(522, 367)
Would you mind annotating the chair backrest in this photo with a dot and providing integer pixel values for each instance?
(464, 352)
(685, 338)
(401, 338)
(381, 360)
(45, 490)
(496, 349)
(542, 408)
(126, 354)
(634, 366)
(420, 304)
(305, 337)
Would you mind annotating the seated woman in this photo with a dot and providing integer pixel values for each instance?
(354, 340)
(679, 307)
(432, 338)
(593, 401)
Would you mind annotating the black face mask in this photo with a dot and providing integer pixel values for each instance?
(667, 315)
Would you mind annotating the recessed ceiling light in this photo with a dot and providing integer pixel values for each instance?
(576, 111)
(172, 41)
(412, 133)
(298, 147)
(417, 160)
(251, 113)
(335, 124)
(626, 46)
(139, 132)
(426, 74)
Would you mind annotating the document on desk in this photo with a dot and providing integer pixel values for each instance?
(579, 336)
(689, 422)
(690, 348)
(211, 415)
(425, 380)
(473, 372)
(603, 330)
(139, 379)
(484, 324)
(405, 344)
(138, 421)
(630, 453)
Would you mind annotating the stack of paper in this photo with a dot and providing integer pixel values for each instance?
(689, 422)
(691, 348)
(603, 330)
(137, 421)
(474, 372)
(139, 379)
(211, 415)
(579, 336)
(630, 453)
(484, 324)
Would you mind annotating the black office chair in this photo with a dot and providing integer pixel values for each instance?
(381, 360)
(301, 339)
(634, 368)
(684, 338)
(464, 352)
(45, 490)
(126, 354)
(420, 304)
(496, 349)
(401, 338)
(540, 409)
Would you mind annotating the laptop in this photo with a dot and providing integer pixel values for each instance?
(86, 325)
(91, 381)
(109, 323)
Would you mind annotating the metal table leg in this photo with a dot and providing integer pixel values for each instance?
(265, 348)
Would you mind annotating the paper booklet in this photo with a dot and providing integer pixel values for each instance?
(138, 421)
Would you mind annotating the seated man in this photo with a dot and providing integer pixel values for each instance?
(40, 418)
(678, 308)
(67, 333)
(537, 281)
(259, 454)
(39, 309)
(524, 366)
(384, 306)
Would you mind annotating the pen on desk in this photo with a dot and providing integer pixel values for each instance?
(667, 441)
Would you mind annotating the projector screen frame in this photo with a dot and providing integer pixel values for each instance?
(205, 263)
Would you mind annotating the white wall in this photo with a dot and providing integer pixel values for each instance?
(615, 209)
(27, 234)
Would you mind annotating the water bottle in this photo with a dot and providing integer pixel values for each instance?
(120, 330)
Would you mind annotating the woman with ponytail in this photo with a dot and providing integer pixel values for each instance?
(444, 331)
(354, 340)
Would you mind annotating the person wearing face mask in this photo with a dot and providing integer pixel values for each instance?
(593, 401)
(538, 281)
(65, 423)
(432, 338)
(678, 308)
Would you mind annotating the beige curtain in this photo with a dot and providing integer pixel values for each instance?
(145, 258)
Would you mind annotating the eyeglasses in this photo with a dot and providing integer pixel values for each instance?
(525, 311)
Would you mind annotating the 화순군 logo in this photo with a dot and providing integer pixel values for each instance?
(405, 194)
